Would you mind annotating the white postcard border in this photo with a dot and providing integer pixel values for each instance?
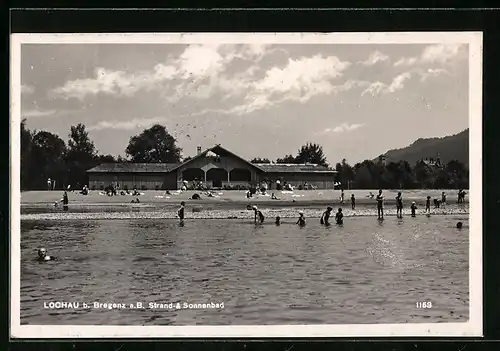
(474, 327)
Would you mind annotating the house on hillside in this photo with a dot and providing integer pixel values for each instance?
(216, 167)
(433, 163)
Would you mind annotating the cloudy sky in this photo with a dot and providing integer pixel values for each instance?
(357, 101)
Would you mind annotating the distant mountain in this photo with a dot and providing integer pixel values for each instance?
(452, 147)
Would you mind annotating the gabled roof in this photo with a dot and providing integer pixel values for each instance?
(220, 151)
(294, 168)
(133, 168)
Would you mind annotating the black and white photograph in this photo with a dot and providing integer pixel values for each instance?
(246, 185)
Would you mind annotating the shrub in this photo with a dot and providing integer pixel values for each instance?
(93, 187)
(101, 187)
(144, 187)
(157, 187)
(125, 187)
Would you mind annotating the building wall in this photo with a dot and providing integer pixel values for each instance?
(227, 163)
(149, 181)
(319, 180)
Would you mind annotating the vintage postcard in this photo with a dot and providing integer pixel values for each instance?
(246, 185)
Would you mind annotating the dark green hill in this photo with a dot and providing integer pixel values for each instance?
(452, 147)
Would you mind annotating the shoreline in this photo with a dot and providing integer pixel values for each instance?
(268, 213)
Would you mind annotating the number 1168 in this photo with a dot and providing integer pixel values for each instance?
(424, 304)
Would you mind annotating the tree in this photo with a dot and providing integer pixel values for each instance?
(457, 175)
(82, 155)
(260, 160)
(345, 172)
(363, 175)
(154, 145)
(287, 159)
(106, 159)
(26, 146)
(311, 153)
(47, 160)
(423, 175)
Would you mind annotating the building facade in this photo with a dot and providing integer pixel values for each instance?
(216, 167)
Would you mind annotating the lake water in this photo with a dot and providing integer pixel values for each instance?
(364, 272)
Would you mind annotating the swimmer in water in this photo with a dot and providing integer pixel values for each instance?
(380, 205)
(302, 220)
(428, 205)
(353, 202)
(43, 257)
(459, 225)
(413, 208)
(278, 220)
(339, 217)
(258, 214)
(370, 195)
(326, 216)
(399, 205)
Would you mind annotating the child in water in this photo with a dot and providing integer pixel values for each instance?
(399, 205)
(278, 220)
(339, 217)
(326, 216)
(258, 214)
(413, 208)
(301, 221)
(353, 202)
(428, 205)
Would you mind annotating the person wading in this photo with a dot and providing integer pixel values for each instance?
(399, 205)
(380, 205)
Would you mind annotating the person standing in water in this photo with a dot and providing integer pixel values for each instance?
(258, 214)
(443, 199)
(339, 217)
(353, 202)
(380, 205)
(428, 205)
(65, 201)
(326, 216)
(302, 220)
(342, 196)
(399, 205)
(180, 212)
(413, 209)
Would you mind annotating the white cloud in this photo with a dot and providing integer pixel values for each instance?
(397, 83)
(126, 125)
(375, 89)
(406, 61)
(344, 127)
(374, 58)
(37, 113)
(433, 54)
(199, 67)
(431, 73)
(27, 89)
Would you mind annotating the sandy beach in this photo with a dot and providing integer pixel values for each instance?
(230, 204)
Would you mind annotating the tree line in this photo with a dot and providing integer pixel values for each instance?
(45, 155)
